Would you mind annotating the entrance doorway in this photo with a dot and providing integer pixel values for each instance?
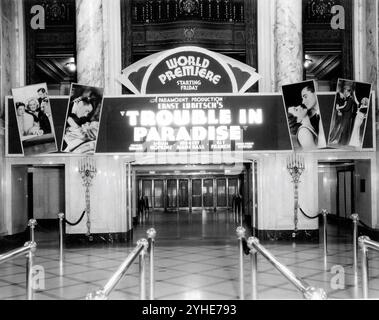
(345, 188)
(189, 192)
(38, 192)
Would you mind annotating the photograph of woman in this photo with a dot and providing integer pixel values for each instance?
(349, 114)
(82, 119)
(303, 116)
(34, 119)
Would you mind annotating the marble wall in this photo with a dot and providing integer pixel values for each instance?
(276, 194)
(108, 194)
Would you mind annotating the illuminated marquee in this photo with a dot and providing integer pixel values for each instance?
(194, 123)
(190, 66)
(188, 70)
(187, 123)
(167, 125)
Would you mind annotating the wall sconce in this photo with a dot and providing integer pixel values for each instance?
(295, 167)
(70, 65)
(307, 61)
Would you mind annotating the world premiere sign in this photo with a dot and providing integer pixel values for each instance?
(188, 70)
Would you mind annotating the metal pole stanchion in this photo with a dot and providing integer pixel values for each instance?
(355, 218)
(29, 270)
(254, 268)
(142, 273)
(32, 224)
(325, 237)
(364, 258)
(130, 193)
(151, 233)
(61, 217)
(241, 232)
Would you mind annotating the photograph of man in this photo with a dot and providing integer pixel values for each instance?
(82, 119)
(350, 111)
(303, 116)
(34, 119)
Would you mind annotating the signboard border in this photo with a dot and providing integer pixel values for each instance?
(318, 151)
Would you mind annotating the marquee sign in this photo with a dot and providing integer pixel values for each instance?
(193, 123)
(187, 99)
(188, 70)
(186, 123)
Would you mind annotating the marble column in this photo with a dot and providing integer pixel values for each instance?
(99, 44)
(112, 46)
(266, 44)
(12, 75)
(289, 43)
(366, 61)
(366, 41)
(90, 42)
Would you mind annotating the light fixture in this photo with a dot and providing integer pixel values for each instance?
(70, 65)
(307, 61)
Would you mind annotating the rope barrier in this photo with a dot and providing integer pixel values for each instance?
(77, 222)
(245, 247)
(309, 217)
(364, 225)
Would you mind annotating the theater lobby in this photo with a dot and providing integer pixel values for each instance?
(173, 154)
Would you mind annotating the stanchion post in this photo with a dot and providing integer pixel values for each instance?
(142, 269)
(29, 270)
(312, 293)
(364, 261)
(241, 233)
(61, 218)
(151, 234)
(355, 218)
(325, 237)
(254, 267)
(32, 224)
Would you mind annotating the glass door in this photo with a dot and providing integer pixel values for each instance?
(232, 190)
(208, 193)
(221, 193)
(183, 193)
(158, 194)
(172, 193)
(147, 191)
(196, 193)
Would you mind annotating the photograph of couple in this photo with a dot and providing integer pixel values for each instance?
(82, 119)
(350, 111)
(303, 115)
(34, 119)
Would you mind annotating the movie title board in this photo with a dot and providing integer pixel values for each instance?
(170, 123)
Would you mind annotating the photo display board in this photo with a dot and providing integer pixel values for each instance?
(182, 123)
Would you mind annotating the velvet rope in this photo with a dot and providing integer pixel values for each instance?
(77, 222)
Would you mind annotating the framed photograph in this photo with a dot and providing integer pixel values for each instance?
(349, 117)
(34, 119)
(303, 116)
(82, 119)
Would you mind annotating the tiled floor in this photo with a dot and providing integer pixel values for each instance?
(196, 257)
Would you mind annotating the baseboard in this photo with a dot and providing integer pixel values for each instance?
(362, 230)
(98, 238)
(289, 235)
(10, 242)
